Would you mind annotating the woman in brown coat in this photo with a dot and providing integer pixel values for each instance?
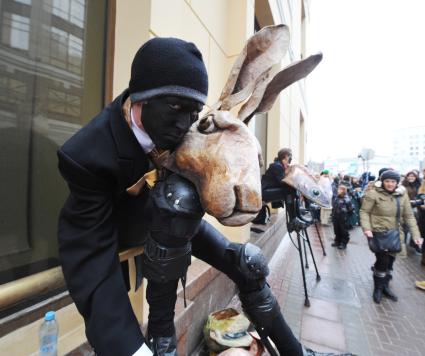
(378, 213)
(421, 217)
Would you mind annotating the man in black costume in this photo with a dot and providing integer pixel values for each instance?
(102, 163)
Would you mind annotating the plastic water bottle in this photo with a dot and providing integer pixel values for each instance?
(48, 335)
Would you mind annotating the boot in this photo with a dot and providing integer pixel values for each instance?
(163, 345)
(309, 352)
(379, 279)
(387, 291)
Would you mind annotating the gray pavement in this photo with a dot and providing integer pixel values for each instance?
(342, 315)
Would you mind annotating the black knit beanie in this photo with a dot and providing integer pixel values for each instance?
(382, 170)
(390, 174)
(168, 66)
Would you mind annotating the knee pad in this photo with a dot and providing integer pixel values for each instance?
(250, 261)
(177, 211)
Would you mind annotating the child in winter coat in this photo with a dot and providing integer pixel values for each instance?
(342, 209)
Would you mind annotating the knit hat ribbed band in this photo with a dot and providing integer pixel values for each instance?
(390, 174)
(168, 66)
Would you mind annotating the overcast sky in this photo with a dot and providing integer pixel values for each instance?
(372, 77)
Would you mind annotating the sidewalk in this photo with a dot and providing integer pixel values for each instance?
(342, 315)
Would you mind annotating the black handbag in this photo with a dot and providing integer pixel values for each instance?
(387, 241)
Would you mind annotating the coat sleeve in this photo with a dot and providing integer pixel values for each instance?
(365, 211)
(409, 218)
(88, 250)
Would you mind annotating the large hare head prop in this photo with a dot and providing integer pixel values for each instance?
(219, 154)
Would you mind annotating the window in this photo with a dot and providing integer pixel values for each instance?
(15, 31)
(72, 11)
(66, 50)
(63, 103)
(44, 99)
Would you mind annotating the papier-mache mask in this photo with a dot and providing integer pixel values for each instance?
(219, 154)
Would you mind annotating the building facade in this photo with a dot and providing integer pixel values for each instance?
(61, 61)
(409, 148)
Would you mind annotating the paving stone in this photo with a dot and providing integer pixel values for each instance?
(323, 332)
(318, 347)
(365, 328)
(323, 309)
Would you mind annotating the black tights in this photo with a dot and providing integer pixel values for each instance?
(210, 246)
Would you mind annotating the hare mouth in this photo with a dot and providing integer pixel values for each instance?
(237, 218)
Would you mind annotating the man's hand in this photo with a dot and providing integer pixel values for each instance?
(368, 234)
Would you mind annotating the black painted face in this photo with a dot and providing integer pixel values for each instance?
(167, 119)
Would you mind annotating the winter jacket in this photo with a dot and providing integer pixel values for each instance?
(273, 176)
(412, 188)
(342, 205)
(379, 210)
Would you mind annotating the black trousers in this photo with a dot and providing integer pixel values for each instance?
(210, 246)
(342, 236)
(384, 262)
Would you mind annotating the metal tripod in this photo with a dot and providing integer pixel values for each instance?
(298, 223)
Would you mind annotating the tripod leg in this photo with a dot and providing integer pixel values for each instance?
(307, 301)
(305, 255)
(320, 239)
(312, 255)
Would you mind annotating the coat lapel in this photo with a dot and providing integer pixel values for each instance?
(131, 158)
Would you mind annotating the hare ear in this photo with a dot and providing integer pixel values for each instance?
(264, 49)
(266, 93)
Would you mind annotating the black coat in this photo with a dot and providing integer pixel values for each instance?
(273, 176)
(98, 219)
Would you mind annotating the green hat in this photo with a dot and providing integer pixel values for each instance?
(325, 171)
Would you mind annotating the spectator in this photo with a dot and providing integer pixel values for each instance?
(326, 183)
(335, 184)
(342, 208)
(421, 217)
(272, 187)
(356, 199)
(412, 184)
(273, 176)
(378, 213)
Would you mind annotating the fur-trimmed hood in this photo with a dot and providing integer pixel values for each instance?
(400, 190)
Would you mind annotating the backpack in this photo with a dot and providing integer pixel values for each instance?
(263, 216)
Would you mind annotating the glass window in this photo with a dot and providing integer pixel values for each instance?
(46, 95)
(15, 31)
(72, 11)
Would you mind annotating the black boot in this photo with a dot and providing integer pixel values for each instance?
(164, 345)
(309, 352)
(387, 291)
(379, 281)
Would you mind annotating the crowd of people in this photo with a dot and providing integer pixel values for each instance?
(388, 202)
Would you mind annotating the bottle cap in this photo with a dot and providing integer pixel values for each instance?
(50, 315)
